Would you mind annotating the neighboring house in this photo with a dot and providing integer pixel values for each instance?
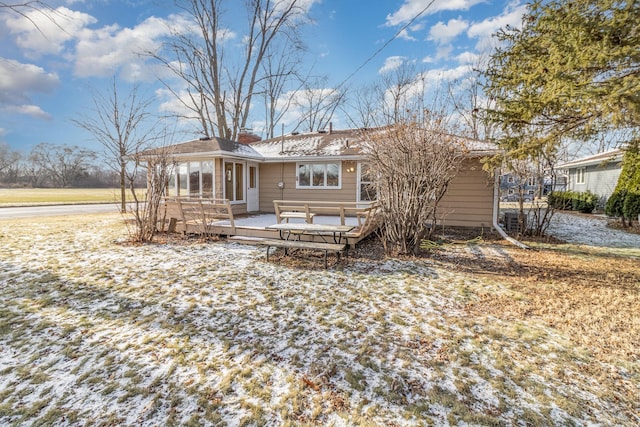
(598, 173)
(510, 185)
(321, 166)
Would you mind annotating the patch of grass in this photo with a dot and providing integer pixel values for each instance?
(36, 196)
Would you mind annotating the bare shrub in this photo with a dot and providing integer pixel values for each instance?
(159, 167)
(411, 165)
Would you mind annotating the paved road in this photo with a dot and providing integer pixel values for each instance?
(57, 210)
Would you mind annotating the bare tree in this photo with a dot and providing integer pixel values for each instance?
(317, 104)
(159, 165)
(63, 165)
(411, 163)
(470, 104)
(29, 9)
(219, 88)
(279, 69)
(117, 125)
(9, 160)
(365, 102)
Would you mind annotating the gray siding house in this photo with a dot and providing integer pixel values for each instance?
(598, 173)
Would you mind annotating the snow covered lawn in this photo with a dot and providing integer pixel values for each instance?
(97, 332)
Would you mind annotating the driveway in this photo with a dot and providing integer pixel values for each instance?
(56, 210)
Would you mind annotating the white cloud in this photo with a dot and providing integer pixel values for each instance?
(404, 34)
(41, 33)
(444, 51)
(470, 58)
(101, 52)
(411, 8)
(483, 31)
(303, 5)
(444, 33)
(433, 78)
(27, 110)
(391, 63)
(17, 81)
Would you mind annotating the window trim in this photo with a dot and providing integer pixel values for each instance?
(318, 187)
(176, 190)
(359, 184)
(580, 175)
(235, 181)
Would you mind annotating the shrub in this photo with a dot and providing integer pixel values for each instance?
(584, 202)
(614, 206)
(560, 199)
(631, 206)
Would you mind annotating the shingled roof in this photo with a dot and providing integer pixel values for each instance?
(596, 159)
(316, 145)
(343, 143)
(207, 146)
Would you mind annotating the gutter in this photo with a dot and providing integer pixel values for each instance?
(496, 209)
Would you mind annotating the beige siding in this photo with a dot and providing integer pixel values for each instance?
(469, 199)
(273, 173)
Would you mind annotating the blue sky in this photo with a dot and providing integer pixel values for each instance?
(48, 73)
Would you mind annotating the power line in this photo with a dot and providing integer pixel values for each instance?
(387, 43)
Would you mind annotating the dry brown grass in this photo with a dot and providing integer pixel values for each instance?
(588, 295)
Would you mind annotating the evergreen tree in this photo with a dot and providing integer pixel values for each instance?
(625, 200)
(572, 71)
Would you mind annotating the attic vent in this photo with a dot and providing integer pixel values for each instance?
(322, 131)
(205, 138)
(295, 133)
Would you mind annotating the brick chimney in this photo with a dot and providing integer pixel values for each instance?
(245, 137)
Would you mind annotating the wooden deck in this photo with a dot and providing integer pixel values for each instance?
(175, 218)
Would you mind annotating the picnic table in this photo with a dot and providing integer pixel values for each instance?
(291, 238)
(288, 230)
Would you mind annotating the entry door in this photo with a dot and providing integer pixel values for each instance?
(253, 193)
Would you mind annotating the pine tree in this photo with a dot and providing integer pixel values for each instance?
(572, 71)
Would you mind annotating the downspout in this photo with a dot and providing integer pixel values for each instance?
(496, 210)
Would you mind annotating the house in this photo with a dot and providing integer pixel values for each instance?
(511, 184)
(598, 173)
(320, 166)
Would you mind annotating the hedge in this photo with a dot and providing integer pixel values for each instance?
(584, 202)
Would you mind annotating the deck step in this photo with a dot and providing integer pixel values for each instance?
(246, 240)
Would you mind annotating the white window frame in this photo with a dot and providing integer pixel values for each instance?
(174, 190)
(359, 184)
(580, 175)
(319, 187)
(235, 181)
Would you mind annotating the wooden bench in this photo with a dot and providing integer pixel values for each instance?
(196, 215)
(366, 214)
(297, 244)
(286, 211)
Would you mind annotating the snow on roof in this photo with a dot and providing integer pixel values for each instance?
(341, 143)
(318, 144)
(608, 156)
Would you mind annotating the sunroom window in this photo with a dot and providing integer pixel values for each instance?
(194, 179)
